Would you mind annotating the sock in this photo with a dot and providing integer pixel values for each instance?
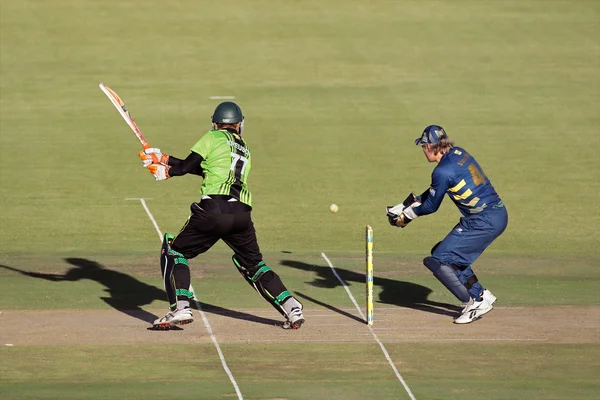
(290, 304)
(181, 304)
(181, 275)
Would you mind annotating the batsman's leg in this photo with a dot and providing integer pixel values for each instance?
(166, 270)
(269, 285)
(176, 279)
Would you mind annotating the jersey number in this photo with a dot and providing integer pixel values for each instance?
(477, 175)
(234, 160)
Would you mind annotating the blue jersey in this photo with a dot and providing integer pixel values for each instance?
(461, 177)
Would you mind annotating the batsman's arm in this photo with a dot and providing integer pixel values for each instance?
(191, 165)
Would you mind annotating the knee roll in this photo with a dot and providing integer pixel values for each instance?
(432, 264)
(265, 282)
(251, 273)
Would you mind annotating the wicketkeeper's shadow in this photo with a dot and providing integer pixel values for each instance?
(400, 293)
(127, 294)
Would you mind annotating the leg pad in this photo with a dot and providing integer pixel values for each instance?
(175, 272)
(266, 282)
(446, 275)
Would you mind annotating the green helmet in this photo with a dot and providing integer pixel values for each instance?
(227, 113)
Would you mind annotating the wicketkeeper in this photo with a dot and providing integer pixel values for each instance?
(223, 159)
(458, 175)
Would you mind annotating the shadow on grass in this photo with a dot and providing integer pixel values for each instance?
(330, 307)
(127, 294)
(394, 292)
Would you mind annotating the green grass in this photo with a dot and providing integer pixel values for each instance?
(334, 94)
(509, 371)
(328, 109)
(490, 370)
(83, 283)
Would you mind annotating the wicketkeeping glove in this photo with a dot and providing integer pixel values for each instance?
(153, 156)
(407, 215)
(401, 214)
(160, 171)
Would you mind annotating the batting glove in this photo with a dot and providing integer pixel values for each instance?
(153, 156)
(160, 171)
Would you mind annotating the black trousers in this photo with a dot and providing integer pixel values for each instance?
(218, 218)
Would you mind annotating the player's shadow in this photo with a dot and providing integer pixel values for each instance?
(399, 293)
(124, 292)
(127, 294)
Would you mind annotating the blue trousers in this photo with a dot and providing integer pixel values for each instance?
(468, 239)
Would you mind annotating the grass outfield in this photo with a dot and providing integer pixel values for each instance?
(334, 93)
(146, 371)
(136, 282)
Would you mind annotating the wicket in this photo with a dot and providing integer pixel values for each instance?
(369, 273)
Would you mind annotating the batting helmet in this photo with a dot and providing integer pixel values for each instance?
(227, 113)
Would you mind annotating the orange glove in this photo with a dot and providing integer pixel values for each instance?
(160, 171)
(153, 156)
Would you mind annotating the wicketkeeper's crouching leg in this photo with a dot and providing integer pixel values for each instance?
(448, 277)
(463, 284)
(176, 279)
(469, 280)
(269, 285)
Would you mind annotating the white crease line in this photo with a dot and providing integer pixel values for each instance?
(222, 97)
(327, 316)
(400, 308)
(436, 340)
(383, 349)
(160, 235)
(476, 340)
(367, 341)
(202, 314)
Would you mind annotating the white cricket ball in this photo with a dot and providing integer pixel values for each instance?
(333, 208)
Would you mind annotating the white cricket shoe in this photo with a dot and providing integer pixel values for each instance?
(489, 296)
(295, 319)
(177, 317)
(473, 311)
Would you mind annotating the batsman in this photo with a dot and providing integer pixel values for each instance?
(484, 218)
(223, 159)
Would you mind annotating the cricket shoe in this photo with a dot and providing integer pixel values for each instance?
(295, 319)
(177, 317)
(486, 294)
(489, 296)
(473, 311)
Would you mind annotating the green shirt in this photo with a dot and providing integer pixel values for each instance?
(226, 165)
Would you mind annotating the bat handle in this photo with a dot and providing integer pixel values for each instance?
(145, 145)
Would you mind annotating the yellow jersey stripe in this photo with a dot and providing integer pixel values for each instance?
(463, 196)
(472, 202)
(458, 187)
(478, 209)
